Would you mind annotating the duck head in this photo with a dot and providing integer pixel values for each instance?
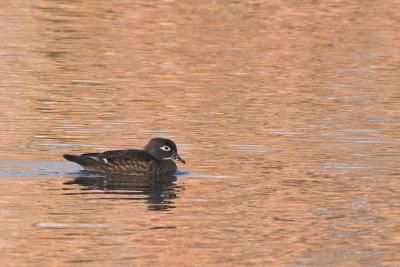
(163, 149)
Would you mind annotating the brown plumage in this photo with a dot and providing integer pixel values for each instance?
(155, 159)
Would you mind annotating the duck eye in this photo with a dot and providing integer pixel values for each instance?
(165, 148)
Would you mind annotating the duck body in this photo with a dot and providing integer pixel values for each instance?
(156, 159)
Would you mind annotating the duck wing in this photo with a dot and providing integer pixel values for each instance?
(114, 156)
(132, 162)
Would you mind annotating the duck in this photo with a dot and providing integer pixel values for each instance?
(157, 158)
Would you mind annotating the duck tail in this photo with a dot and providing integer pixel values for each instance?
(81, 160)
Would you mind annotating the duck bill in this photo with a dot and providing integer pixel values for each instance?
(175, 156)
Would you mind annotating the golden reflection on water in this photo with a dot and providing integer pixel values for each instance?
(293, 103)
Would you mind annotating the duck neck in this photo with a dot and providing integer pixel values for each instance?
(167, 165)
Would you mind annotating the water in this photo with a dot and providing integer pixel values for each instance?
(287, 113)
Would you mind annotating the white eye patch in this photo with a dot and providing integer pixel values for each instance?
(165, 148)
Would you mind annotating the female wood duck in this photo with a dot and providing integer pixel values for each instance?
(156, 159)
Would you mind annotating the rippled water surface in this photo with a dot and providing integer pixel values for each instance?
(287, 113)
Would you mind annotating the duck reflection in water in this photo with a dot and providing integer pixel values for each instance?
(158, 192)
